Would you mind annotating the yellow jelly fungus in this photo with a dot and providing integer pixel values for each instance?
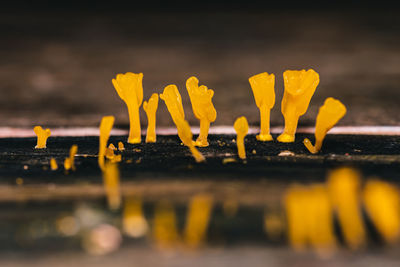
(203, 108)
(69, 163)
(111, 185)
(310, 218)
(165, 230)
(263, 86)
(173, 100)
(185, 134)
(53, 164)
(329, 114)
(300, 86)
(382, 203)
(134, 222)
(111, 156)
(197, 220)
(344, 191)
(42, 136)
(121, 146)
(130, 90)
(150, 108)
(111, 146)
(106, 125)
(241, 127)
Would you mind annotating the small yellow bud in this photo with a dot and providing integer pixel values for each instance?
(242, 128)
(42, 136)
(151, 108)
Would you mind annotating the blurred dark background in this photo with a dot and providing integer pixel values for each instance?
(57, 58)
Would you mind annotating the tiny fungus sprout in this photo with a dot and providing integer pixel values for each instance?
(150, 108)
(382, 203)
(121, 146)
(344, 191)
(309, 216)
(69, 163)
(130, 90)
(173, 100)
(42, 136)
(134, 223)
(263, 86)
(111, 185)
(185, 134)
(53, 164)
(111, 156)
(111, 146)
(203, 108)
(300, 86)
(197, 220)
(329, 114)
(242, 128)
(106, 125)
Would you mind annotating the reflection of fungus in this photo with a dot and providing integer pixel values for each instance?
(344, 190)
(241, 127)
(300, 86)
(134, 222)
(310, 218)
(197, 220)
(42, 136)
(382, 203)
(130, 90)
(329, 114)
(203, 108)
(111, 185)
(264, 94)
(165, 230)
(150, 107)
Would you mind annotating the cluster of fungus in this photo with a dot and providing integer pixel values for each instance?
(299, 87)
